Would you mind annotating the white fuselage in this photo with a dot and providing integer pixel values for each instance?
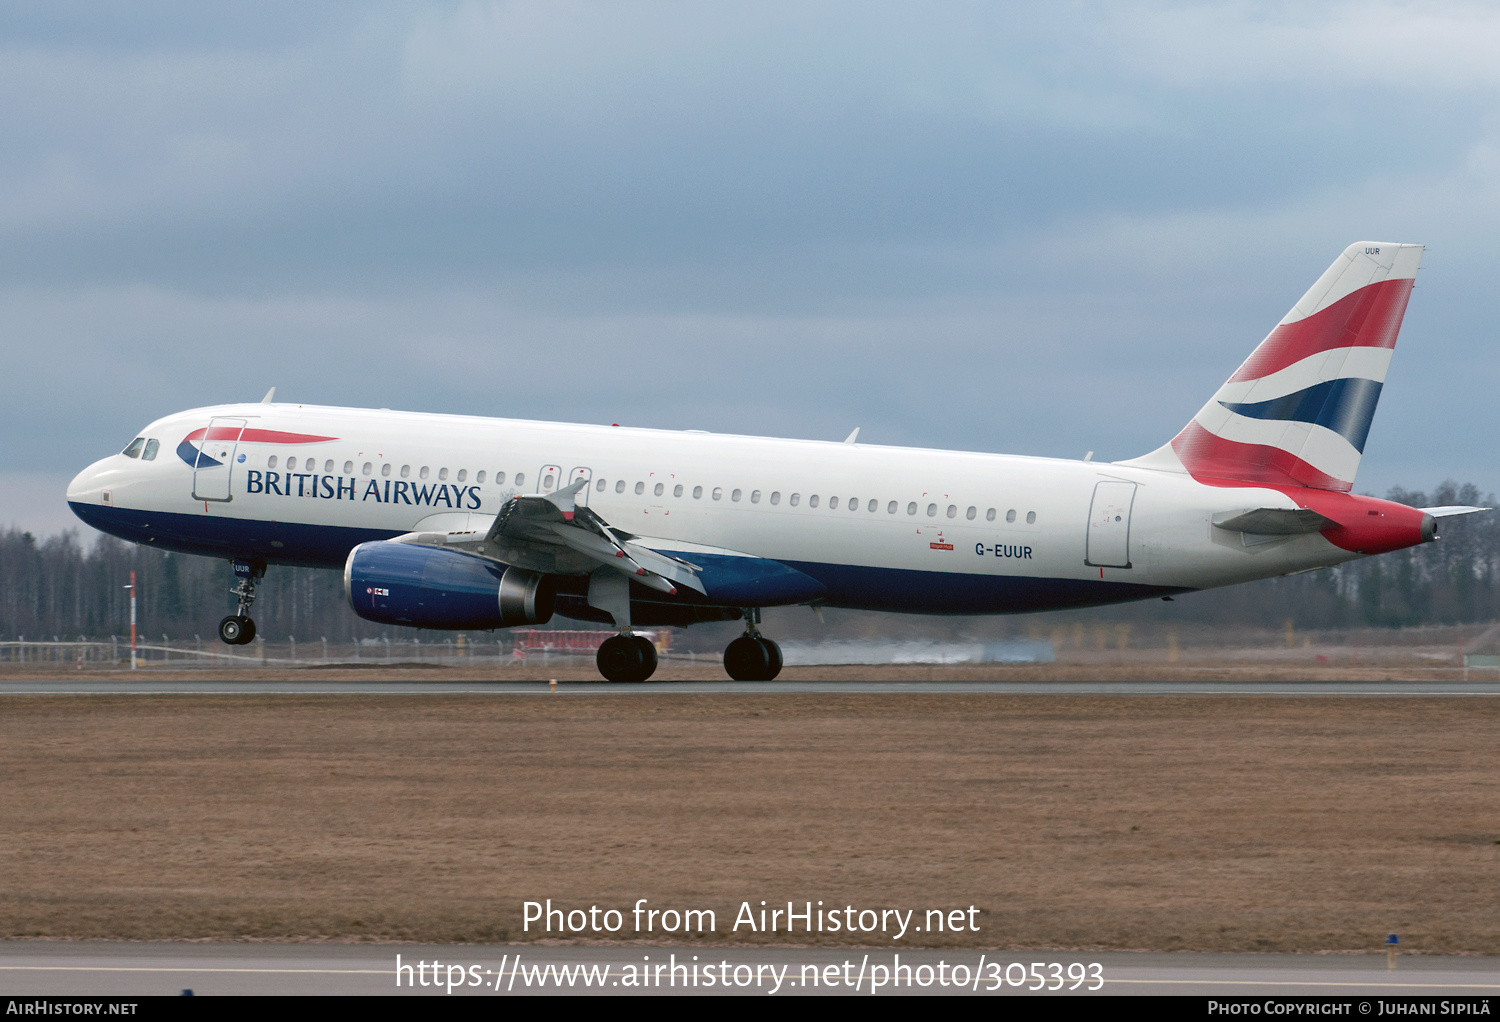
(882, 527)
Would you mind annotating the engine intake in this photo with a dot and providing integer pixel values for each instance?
(433, 587)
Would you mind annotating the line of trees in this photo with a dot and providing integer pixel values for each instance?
(59, 587)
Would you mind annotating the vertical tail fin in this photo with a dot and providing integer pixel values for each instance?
(1297, 412)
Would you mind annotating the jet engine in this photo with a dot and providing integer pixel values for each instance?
(434, 587)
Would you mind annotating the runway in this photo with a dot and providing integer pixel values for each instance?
(406, 686)
(96, 968)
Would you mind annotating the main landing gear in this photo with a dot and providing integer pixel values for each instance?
(237, 629)
(626, 657)
(752, 657)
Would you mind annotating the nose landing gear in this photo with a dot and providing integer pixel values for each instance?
(238, 629)
(752, 657)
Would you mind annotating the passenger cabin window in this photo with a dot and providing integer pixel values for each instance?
(134, 450)
(349, 468)
(660, 488)
(152, 446)
(775, 497)
(385, 469)
(989, 515)
(463, 474)
(735, 496)
(677, 490)
(833, 503)
(795, 499)
(328, 467)
(874, 506)
(1031, 518)
(291, 464)
(619, 486)
(931, 510)
(952, 510)
(271, 462)
(423, 473)
(718, 493)
(812, 501)
(890, 508)
(697, 493)
(969, 514)
(1010, 515)
(519, 480)
(367, 469)
(755, 496)
(640, 488)
(599, 486)
(405, 471)
(442, 473)
(911, 508)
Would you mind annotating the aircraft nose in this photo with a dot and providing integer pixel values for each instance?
(86, 485)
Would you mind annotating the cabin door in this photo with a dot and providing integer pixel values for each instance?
(1109, 525)
(213, 465)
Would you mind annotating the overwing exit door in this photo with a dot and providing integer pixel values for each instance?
(213, 465)
(1108, 544)
(582, 496)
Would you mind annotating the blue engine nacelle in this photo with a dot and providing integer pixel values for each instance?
(433, 587)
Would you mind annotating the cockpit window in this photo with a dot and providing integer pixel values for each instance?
(134, 450)
(152, 446)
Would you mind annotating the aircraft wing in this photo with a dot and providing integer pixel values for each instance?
(551, 533)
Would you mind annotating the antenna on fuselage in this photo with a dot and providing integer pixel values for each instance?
(851, 437)
(269, 394)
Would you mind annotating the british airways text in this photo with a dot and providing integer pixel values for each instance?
(382, 491)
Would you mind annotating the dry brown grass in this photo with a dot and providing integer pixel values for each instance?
(1263, 823)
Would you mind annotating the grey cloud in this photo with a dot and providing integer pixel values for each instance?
(978, 226)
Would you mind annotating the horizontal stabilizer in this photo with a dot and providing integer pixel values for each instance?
(1450, 510)
(1273, 521)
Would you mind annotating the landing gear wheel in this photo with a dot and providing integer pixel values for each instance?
(773, 655)
(626, 658)
(749, 658)
(236, 630)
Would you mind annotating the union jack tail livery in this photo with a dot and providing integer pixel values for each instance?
(1298, 411)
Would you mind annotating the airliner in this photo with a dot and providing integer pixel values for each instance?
(467, 523)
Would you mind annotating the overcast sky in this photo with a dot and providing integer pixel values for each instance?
(1038, 229)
